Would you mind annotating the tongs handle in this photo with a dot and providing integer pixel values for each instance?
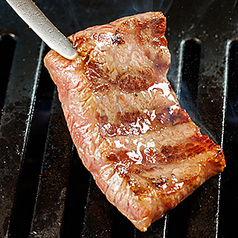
(41, 25)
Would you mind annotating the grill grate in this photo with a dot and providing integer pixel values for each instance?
(228, 196)
(7, 45)
(44, 189)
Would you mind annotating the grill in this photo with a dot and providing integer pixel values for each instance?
(44, 189)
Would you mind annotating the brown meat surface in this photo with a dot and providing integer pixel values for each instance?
(143, 150)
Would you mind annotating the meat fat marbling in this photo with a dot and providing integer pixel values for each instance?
(143, 150)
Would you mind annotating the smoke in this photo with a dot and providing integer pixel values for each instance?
(152, 5)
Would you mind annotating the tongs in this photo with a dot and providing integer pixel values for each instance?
(42, 26)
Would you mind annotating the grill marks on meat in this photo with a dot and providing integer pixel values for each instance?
(109, 65)
(136, 123)
(142, 149)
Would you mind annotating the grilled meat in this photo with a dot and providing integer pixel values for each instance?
(143, 150)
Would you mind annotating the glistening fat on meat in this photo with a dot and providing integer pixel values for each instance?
(143, 150)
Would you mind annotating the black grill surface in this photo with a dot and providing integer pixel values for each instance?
(44, 189)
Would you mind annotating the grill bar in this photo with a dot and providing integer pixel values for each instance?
(229, 197)
(212, 27)
(17, 113)
(98, 214)
(28, 181)
(50, 200)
